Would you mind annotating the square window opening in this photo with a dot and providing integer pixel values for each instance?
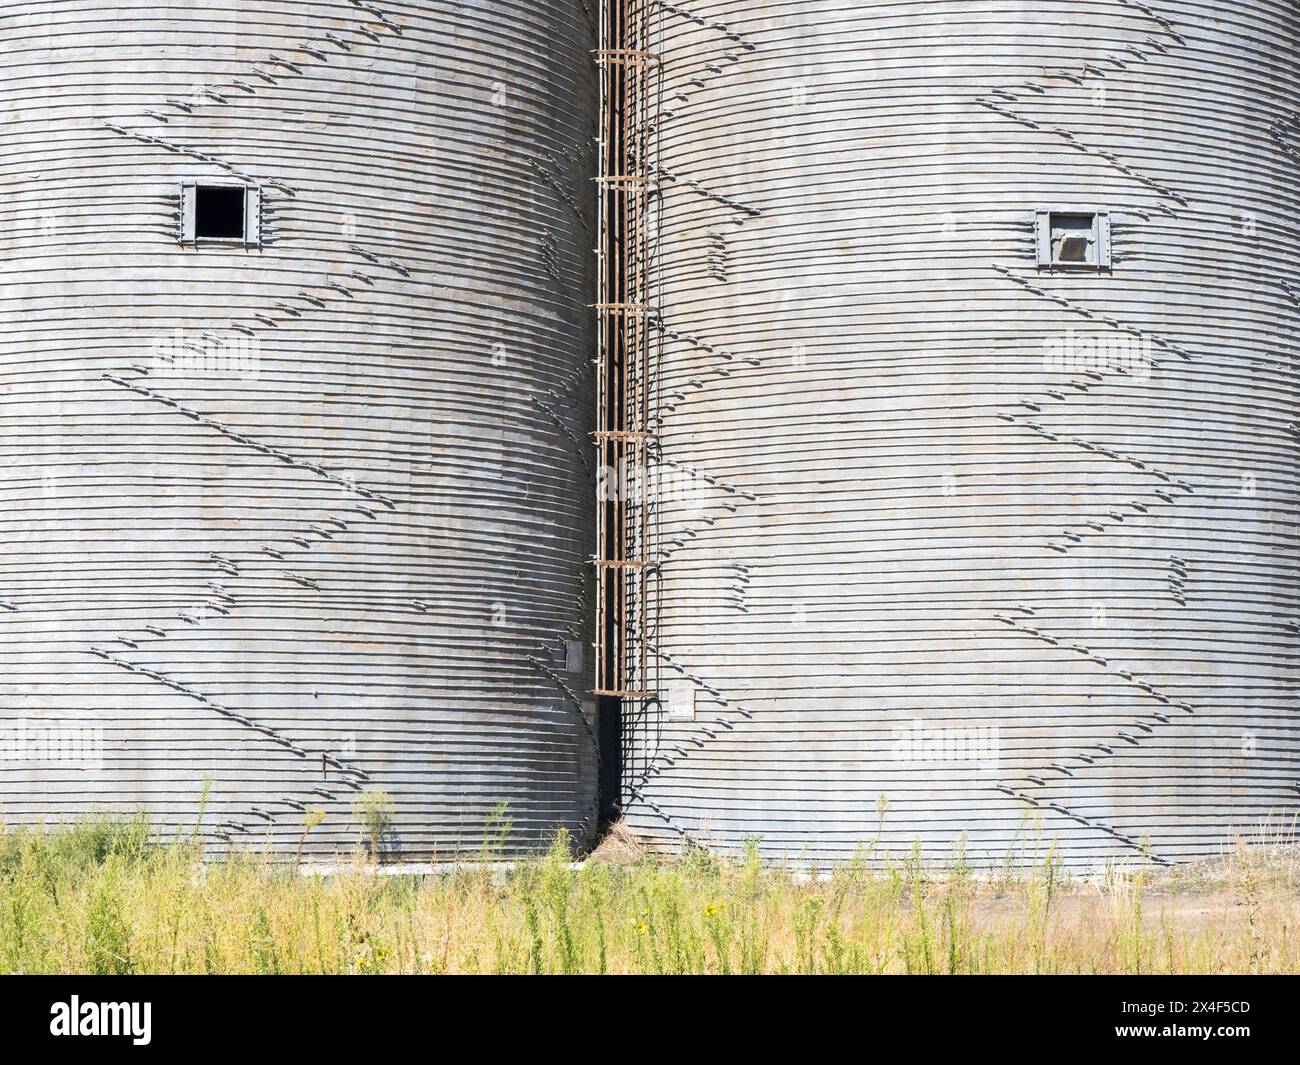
(219, 213)
(1074, 239)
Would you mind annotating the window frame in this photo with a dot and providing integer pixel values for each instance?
(1100, 235)
(252, 237)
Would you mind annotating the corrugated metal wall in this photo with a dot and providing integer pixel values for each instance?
(314, 518)
(909, 521)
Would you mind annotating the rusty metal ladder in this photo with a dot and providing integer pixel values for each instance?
(627, 360)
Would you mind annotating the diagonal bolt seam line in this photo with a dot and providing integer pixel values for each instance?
(660, 761)
(726, 507)
(248, 441)
(1164, 477)
(571, 697)
(1089, 73)
(264, 730)
(1096, 826)
(640, 796)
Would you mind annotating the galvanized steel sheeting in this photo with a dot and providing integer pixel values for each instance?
(907, 518)
(358, 567)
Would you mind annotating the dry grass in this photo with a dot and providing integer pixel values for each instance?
(107, 898)
(621, 847)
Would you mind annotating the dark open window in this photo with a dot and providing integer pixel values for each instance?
(219, 213)
(224, 212)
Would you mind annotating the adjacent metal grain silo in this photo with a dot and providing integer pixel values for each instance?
(975, 400)
(295, 337)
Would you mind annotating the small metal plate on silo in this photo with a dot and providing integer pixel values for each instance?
(680, 700)
(573, 656)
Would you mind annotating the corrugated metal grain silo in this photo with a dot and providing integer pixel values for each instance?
(295, 336)
(978, 382)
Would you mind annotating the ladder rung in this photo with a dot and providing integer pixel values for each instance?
(630, 56)
(626, 309)
(614, 434)
(625, 694)
(623, 180)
